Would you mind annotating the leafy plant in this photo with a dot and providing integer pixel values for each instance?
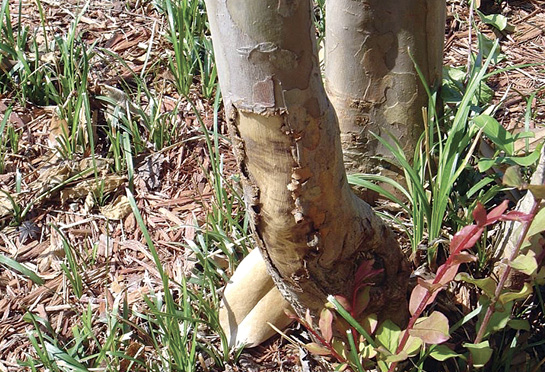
(368, 343)
(442, 157)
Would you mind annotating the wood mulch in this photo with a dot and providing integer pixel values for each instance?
(175, 193)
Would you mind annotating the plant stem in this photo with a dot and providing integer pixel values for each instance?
(505, 275)
(424, 302)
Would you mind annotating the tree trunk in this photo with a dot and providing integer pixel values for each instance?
(312, 230)
(370, 77)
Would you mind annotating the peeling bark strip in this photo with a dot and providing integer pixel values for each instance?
(312, 231)
(371, 80)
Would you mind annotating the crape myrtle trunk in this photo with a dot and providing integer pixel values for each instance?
(312, 230)
(371, 78)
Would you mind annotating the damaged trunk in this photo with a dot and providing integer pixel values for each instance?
(313, 232)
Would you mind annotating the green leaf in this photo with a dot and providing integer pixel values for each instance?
(496, 133)
(512, 177)
(485, 93)
(487, 285)
(432, 329)
(58, 354)
(510, 297)
(519, 324)
(340, 347)
(537, 190)
(397, 357)
(497, 20)
(442, 353)
(538, 224)
(388, 335)
(367, 351)
(525, 161)
(369, 323)
(480, 352)
(525, 263)
(413, 345)
(14, 265)
(499, 318)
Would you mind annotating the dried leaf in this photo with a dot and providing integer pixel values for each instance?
(6, 206)
(102, 185)
(118, 209)
(308, 318)
(326, 324)
(58, 131)
(316, 349)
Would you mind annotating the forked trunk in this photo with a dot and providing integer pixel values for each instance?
(312, 230)
(369, 74)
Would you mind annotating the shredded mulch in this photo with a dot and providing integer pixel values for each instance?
(172, 186)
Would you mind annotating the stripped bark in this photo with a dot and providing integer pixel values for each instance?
(312, 230)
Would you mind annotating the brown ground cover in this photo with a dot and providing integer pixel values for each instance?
(174, 193)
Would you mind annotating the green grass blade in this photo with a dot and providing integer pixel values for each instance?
(14, 265)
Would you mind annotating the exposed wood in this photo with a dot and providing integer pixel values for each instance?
(312, 230)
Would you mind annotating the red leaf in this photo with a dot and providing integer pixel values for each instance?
(344, 302)
(496, 213)
(463, 257)
(479, 214)
(516, 216)
(418, 294)
(361, 301)
(449, 273)
(325, 323)
(465, 238)
(365, 271)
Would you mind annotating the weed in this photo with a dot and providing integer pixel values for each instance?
(443, 157)
(189, 36)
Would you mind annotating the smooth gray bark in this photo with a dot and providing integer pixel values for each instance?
(370, 77)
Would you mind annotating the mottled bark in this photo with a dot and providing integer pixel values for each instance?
(312, 230)
(370, 77)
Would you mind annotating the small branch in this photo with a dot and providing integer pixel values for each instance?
(505, 275)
